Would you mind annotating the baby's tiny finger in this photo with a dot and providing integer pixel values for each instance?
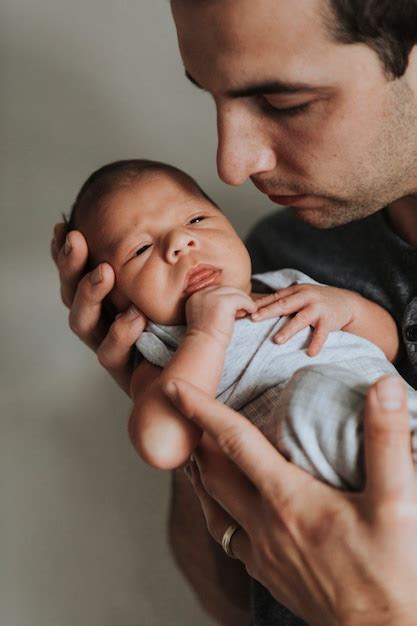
(267, 312)
(247, 307)
(279, 293)
(291, 328)
(317, 342)
(285, 305)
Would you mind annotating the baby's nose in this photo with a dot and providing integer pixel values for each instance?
(180, 243)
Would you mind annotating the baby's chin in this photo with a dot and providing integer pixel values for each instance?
(176, 318)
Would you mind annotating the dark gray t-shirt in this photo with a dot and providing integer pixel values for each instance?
(365, 256)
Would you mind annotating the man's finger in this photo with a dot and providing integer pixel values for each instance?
(71, 262)
(86, 318)
(217, 519)
(240, 440)
(226, 483)
(58, 240)
(114, 351)
(389, 465)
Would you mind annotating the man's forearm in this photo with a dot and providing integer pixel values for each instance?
(221, 584)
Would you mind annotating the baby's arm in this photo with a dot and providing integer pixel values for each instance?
(327, 309)
(161, 435)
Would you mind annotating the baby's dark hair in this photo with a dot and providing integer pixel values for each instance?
(114, 176)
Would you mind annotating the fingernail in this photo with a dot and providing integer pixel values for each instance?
(95, 277)
(118, 316)
(67, 246)
(256, 316)
(390, 393)
(171, 390)
(279, 339)
(132, 313)
(187, 470)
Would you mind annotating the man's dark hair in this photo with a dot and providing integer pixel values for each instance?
(389, 27)
(114, 176)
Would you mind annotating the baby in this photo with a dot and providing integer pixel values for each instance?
(178, 260)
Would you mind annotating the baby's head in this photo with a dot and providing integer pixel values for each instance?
(163, 236)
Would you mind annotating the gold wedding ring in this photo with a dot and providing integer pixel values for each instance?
(227, 538)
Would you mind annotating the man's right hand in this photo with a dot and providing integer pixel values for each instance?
(334, 558)
(83, 294)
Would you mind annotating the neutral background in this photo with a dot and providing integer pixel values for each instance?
(82, 526)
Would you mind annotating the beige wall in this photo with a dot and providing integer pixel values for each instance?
(82, 524)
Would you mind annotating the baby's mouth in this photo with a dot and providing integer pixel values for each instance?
(200, 277)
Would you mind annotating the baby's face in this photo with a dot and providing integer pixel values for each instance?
(165, 241)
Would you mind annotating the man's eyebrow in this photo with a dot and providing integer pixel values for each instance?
(267, 87)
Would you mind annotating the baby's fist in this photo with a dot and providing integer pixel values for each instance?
(213, 311)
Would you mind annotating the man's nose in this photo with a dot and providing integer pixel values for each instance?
(245, 147)
(180, 242)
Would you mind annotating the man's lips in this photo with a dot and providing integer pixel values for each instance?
(284, 199)
(200, 277)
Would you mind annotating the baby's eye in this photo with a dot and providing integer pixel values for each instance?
(198, 219)
(141, 250)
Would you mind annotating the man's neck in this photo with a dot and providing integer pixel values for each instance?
(403, 217)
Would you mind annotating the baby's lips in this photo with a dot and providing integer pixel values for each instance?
(206, 277)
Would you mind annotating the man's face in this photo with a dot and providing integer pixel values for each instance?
(314, 123)
(165, 241)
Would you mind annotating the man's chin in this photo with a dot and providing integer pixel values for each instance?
(330, 218)
(316, 218)
(317, 211)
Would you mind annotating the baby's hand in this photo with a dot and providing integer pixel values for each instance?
(213, 311)
(324, 308)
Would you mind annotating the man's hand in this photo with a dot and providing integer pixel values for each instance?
(213, 311)
(333, 558)
(326, 309)
(83, 294)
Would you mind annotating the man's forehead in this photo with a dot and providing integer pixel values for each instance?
(226, 42)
